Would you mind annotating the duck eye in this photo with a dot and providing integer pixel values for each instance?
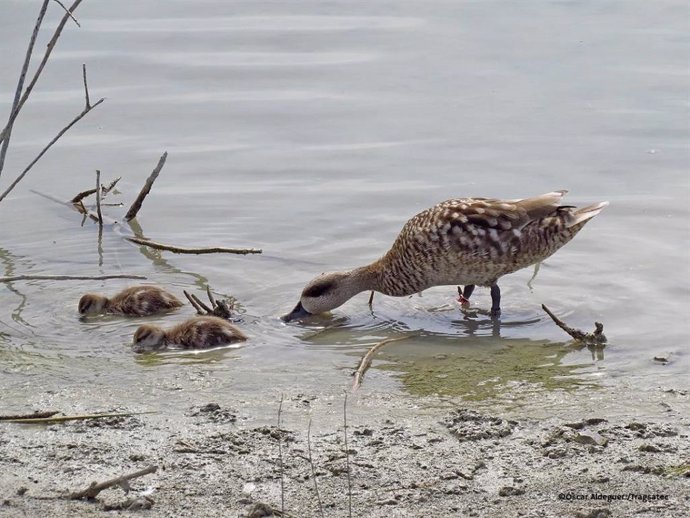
(318, 289)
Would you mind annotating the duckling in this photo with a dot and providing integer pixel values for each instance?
(136, 300)
(466, 241)
(195, 333)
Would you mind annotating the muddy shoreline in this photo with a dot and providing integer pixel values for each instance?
(408, 457)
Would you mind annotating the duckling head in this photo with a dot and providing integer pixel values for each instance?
(92, 304)
(327, 292)
(148, 338)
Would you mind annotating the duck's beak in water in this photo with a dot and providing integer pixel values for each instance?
(297, 313)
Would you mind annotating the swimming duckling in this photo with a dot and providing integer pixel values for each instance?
(195, 333)
(136, 300)
(466, 241)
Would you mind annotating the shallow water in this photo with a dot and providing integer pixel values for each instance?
(314, 131)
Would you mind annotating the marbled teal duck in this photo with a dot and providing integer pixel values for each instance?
(136, 300)
(466, 241)
(195, 333)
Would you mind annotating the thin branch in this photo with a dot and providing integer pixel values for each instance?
(86, 87)
(68, 12)
(67, 277)
(183, 250)
(365, 362)
(93, 490)
(7, 132)
(211, 298)
(63, 418)
(35, 415)
(313, 471)
(201, 308)
(136, 206)
(347, 460)
(280, 454)
(50, 144)
(46, 55)
(98, 198)
(104, 191)
(597, 337)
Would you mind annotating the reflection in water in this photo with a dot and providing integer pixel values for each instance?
(474, 362)
(188, 357)
(8, 261)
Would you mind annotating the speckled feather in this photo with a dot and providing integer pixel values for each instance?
(476, 241)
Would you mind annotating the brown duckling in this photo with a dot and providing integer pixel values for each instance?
(195, 333)
(136, 300)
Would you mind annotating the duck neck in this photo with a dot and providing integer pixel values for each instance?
(366, 278)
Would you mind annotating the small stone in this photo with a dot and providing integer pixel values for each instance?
(589, 437)
(449, 475)
(510, 491)
(389, 501)
(22, 491)
(649, 448)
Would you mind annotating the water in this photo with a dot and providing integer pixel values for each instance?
(314, 131)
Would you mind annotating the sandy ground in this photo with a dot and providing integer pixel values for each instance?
(407, 457)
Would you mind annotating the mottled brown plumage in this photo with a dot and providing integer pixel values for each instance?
(466, 241)
(136, 301)
(195, 333)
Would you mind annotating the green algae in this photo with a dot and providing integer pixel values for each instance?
(510, 370)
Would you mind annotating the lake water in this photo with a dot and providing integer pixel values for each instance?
(314, 130)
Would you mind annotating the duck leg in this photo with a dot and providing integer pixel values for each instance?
(465, 294)
(495, 300)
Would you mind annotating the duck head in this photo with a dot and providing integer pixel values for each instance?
(327, 292)
(148, 338)
(92, 304)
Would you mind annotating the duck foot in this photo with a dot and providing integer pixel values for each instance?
(465, 294)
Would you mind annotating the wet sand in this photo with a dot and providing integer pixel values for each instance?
(408, 456)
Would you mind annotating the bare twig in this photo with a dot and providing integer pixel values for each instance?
(201, 308)
(86, 87)
(211, 298)
(49, 49)
(365, 362)
(183, 250)
(104, 191)
(280, 454)
(7, 132)
(136, 206)
(98, 199)
(67, 277)
(597, 337)
(35, 415)
(50, 144)
(63, 418)
(347, 460)
(93, 490)
(313, 471)
(68, 12)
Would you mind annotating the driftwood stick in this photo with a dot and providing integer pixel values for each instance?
(63, 418)
(49, 49)
(86, 87)
(597, 337)
(68, 277)
(201, 304)
(7, 132)
(93, 490)
(136, 206)
(45, 149)
(183, 250)
(365, 362)
(35, 415)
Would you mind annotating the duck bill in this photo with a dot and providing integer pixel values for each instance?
(297, 313)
